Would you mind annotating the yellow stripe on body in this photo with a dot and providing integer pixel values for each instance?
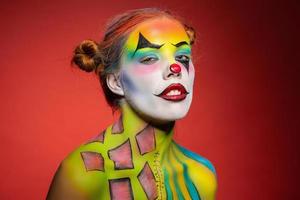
(171, 180)
(204, 179)
(179, 171)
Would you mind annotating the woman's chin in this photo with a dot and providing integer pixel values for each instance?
(161, 112)
(163, 117)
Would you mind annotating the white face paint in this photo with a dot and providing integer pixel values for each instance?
(150, 86)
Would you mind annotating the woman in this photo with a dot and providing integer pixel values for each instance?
(145, 69)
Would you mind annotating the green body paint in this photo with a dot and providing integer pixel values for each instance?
(133, 160)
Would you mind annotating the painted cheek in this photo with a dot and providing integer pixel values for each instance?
(191, 68)
(140, 69)
(191, 73)
(133, 85)
(127, 83)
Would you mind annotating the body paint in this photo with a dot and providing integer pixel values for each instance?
(184, 51)
(164, 171)
(144, 43)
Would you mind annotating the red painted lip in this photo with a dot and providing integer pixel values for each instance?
(178, 97)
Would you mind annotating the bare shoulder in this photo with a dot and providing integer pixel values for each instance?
(81, 174)
(201, 171)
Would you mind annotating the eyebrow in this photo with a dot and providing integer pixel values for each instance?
(144, 43)
(180, 44)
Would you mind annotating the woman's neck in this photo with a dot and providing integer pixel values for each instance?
(149, 137)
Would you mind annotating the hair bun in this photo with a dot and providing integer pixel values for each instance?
(84, 55)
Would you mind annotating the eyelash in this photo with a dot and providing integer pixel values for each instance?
(148, 60)
(182, 58)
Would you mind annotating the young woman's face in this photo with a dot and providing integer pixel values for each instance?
(156, 72)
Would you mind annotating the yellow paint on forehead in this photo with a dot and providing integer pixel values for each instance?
(158, 31)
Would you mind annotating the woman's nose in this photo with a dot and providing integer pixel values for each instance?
(174, 70)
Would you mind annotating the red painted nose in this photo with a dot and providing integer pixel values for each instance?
(175, 68)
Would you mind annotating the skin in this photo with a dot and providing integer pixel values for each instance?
(146, 126)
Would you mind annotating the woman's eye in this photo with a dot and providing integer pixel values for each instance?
(182, 58)
(148, 60)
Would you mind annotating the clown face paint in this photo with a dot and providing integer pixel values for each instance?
(153, 88)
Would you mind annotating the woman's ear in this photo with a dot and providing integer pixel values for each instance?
(114, 84)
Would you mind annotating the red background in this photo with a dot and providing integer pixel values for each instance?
(243, 117)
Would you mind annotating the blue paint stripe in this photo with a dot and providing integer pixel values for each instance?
(167, 185)
(180, 196)
(197, 158)
(190, 185)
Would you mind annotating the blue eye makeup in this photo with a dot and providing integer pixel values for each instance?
(184, 50)
(146, 57)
